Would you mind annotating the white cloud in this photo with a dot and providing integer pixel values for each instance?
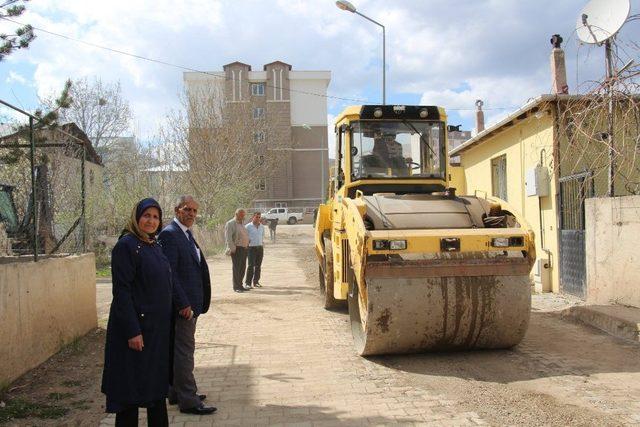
(448, 53)
(16, 78)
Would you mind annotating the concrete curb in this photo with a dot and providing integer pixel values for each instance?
(617, 320)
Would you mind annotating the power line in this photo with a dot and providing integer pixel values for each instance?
(170, 64)
(185, 68)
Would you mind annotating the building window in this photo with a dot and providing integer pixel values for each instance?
(258, 113)
(499, 177)
(257, 89)
(281, 205)
(260, 160)
(261, 184)
(259, 137)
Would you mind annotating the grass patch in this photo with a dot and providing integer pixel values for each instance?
(81, 404)
(74, 347)
(71, 383)
(103, 272)
(20, 408)
(60, 396)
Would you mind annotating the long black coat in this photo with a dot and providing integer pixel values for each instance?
(141, 305)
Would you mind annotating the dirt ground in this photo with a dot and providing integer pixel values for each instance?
(274, 356)
(65, 389)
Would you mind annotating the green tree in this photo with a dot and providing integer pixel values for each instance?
(23, 35)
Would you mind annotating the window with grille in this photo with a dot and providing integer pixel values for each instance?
(499, 177)
(257, 89)
(258, 137)
(258, 113)
(261, 184)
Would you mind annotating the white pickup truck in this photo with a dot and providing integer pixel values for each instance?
(283, 214)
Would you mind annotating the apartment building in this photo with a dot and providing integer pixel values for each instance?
(294, 105)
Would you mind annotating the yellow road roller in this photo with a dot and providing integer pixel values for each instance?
(420, 267)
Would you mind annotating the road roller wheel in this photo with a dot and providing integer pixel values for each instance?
(325, 277)
(356, 317)
(412, 315)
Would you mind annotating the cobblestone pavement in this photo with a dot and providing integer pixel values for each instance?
(273, 356)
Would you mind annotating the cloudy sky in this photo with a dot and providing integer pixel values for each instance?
(448, 53)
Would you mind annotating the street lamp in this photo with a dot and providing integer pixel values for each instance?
(345, 5)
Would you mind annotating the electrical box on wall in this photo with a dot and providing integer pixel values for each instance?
(537, 181)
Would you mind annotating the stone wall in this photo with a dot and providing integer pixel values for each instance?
(44, 305)
(613, 264)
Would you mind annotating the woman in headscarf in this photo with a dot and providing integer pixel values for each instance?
(137, 351)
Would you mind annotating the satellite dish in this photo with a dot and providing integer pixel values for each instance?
(601, 20)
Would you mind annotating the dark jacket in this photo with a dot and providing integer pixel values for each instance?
(141, 305)
(191, 282)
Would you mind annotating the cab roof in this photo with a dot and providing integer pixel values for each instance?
(355, 112)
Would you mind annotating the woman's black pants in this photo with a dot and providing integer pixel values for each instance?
(156, 416)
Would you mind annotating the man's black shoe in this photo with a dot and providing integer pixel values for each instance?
(201, 410)
(239, 290)
(247, 288)
(175, 402)
(257, 285)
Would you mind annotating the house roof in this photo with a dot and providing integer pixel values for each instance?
(532, 106)
(168, 167)
(92, 154)
(62, 131)
(6, 129)
(277, 63)
(231, 64)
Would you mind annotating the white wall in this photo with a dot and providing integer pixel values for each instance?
(613, 264)
(308, 109)
(200, 84)
(44, 305)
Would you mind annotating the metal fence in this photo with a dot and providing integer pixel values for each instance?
(43, 185)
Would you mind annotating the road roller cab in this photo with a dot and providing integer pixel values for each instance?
(421, 268)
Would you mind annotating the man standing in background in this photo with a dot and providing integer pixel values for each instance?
(256, 251)
(273, 223)
(237, 241)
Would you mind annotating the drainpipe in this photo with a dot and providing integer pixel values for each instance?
(549, 264)
(479, 116)
(558, 67)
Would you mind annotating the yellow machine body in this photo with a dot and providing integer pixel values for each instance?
(422, 269)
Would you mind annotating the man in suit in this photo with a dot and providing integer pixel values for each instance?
(237, 240)
(191, 298)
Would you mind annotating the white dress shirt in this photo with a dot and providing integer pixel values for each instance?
(184, 230)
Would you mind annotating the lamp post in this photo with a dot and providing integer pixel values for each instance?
(345, 5)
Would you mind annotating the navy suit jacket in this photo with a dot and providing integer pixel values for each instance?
(191, 282)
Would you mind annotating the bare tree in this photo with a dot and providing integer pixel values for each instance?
(599, 133)
(100, 110)
(231, 154)
(23, 34)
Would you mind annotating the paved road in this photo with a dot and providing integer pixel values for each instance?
(274, 356)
